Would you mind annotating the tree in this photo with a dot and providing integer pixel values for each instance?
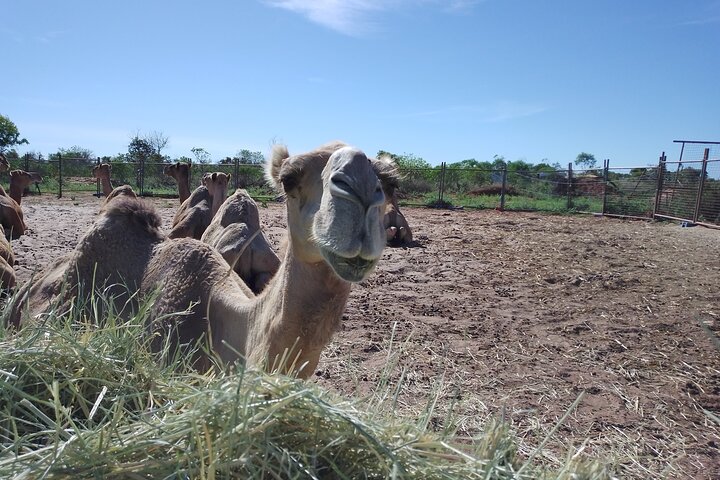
(140, 149)
(201, 155)
(585, 160)
(250, 158)
(76, 152)
(9, 134)
(406, 161)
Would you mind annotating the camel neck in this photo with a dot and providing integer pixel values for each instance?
(106, 186)
(16, 193)
(183, 190)
(302, 307)
(217, 201)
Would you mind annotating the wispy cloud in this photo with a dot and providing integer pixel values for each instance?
(48, 37)
(357, 17)
(703, 21)
(501, 111)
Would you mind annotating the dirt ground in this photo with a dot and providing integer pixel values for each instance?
(514, 315)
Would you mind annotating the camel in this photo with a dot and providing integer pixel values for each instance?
(4, 163)
(19, 180)
(335, 202)
(231, 229)
(181, 173)
(102, 171)
(7, 261)
(196, 213)
(396, 226)
(11, 216)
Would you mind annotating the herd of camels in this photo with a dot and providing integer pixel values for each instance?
(214, 283)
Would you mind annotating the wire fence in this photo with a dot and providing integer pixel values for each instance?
(686, 190)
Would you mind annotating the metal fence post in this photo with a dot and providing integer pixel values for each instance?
(569, 186)
(97, 184)
(659, 186)
(701, 187)
(606, 167)
(60, 175)
(441, 187)
(236, 173)
(502, 189)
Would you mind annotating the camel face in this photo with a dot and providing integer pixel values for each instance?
(22, 179)
(102, 171)
(177, 171)
(336, 205)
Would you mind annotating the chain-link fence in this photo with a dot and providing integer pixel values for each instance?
(687, 189)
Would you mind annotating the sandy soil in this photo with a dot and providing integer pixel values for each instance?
(514, 315)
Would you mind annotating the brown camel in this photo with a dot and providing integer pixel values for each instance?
(11, 216)
(335, 206)
(234, 225)
(7, 261)
(181, 173)
(196, 213)
(396, 226)
(102, 172)
(19, 180)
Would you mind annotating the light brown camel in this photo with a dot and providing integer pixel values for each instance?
(196, 213)
(236, 223)
(181, 173)
(11, 216)
(335, 206)
(7, 261)
(19, 180)
(102, 171)
(396, 226)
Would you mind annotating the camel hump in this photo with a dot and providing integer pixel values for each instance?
(133, 210)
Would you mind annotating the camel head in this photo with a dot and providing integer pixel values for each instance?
(101, 171)
(4, 164)
(335, 205)
(22, 179)
(178, 171)
(216, 183)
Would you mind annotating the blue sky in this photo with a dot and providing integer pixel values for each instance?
(445, 80)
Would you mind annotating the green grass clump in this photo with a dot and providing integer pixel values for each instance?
(78, 400)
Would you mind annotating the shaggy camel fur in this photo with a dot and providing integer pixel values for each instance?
(7, 261)
(335, 206)
(181, 173)
(125, 190)
(102, 173)
(19, 180)
(196, 213)
(396, 226)
(232, 227)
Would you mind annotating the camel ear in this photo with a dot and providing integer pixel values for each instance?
(274, 167)
(386, 170)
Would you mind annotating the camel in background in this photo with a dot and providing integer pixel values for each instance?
(181, 173)
(19, 181)
(196, 213)
(11, 214)
(396, 226)
(236, 234)
(335, 206)
(102, 173)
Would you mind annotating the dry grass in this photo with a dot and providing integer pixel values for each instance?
(86, 401)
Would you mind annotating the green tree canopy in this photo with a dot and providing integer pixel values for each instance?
(406, 161)
(585, 160)
(9, 134)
